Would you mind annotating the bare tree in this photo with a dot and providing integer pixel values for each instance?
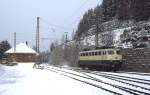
(57, 56)
(72, 52)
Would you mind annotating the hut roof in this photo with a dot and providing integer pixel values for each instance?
(22, 48)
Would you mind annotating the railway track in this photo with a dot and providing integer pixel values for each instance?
(86, 78)
(123, 81)
(131, 89)
(145, 81)
(132, 82)
(135, 73)
(86, 82)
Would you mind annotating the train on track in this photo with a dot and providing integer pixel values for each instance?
(103, 59)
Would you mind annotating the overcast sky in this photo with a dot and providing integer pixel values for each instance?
(60, 15)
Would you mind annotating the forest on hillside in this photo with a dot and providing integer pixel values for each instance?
(121, 10)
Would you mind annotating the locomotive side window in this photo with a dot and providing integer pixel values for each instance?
(83, 54)
(80, 54)
(86, 54)
(99, 53)
(104, 52)
(92, 53)
(110, 52)
(96, 53)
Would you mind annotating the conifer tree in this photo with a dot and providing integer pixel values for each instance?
(4, 46)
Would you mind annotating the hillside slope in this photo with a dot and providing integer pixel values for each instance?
(111, 17)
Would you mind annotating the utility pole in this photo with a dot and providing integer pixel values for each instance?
(66, 37)
(14, 57)
(14, 42)
(96, 30)
(37, 41)
(38, 35)
(96, 34)
(66, 45)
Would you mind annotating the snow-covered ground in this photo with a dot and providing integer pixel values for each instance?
(117, 83)
(24, 80)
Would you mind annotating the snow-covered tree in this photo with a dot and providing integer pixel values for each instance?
(107, 39)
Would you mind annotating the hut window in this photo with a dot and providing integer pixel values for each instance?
(29, 57)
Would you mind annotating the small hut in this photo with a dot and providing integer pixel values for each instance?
(22, 53)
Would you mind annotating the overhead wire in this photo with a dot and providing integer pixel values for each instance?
(62, 27)
(54, 25)
(79, 9)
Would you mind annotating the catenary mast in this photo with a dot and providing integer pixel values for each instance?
(38, 35)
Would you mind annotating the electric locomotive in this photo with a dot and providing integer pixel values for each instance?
(103, 59)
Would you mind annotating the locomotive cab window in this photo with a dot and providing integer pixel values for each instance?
(118, 52)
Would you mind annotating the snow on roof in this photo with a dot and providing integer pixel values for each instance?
(21, 48)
